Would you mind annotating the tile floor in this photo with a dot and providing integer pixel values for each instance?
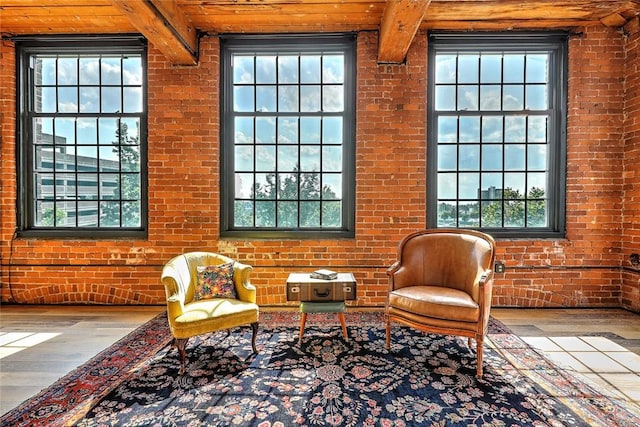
(602, 345)
(39, 344)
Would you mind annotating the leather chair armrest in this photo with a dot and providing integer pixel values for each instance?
(246, 291)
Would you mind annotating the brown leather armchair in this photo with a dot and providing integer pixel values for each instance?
(189, 316)
(442, 283)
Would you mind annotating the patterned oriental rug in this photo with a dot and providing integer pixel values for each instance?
(424, 380)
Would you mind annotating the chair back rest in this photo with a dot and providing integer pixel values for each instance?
(452, 258)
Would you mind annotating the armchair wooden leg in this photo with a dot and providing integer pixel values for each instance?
(388, 332)
(181, 343)
(479, 347)
(254, 327)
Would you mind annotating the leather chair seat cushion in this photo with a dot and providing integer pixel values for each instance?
(435, 302)
(205, 316)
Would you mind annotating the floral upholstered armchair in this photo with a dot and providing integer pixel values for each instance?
(442, 283)
(207, 292)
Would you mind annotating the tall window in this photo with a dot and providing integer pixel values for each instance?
(288, 136)
(82, 137)
(497, 147)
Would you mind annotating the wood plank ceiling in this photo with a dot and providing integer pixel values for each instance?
(173, 26)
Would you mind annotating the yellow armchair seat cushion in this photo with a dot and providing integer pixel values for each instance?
(210, 315)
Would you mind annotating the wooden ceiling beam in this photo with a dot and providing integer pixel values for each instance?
(165, 26)
(398, 26)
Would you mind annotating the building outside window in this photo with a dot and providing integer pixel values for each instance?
(83, 136)
(497, 119)
(288, 120)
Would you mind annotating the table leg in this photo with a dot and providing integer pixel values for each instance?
(303, 320)
(344, 326)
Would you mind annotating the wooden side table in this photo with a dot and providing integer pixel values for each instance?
(321, 296)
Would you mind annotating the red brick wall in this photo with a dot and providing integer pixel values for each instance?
(631, 177)
(582, 270)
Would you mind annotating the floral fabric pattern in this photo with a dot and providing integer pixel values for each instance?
(326, 381)
(215, 281)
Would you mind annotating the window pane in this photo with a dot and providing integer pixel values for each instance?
(469, 185)
(537, 66)
(469, 157)
(537, 158)
(515, 129)
(490, 68)
(333, 69)
(265, 187)
(447, 184)
(468, 69)
(514, 157)
(90, 99)
(310, 158)
(310, 98)
(132, 102)
(310, 69)
(513, 68)
(265, 98)
(536, 97)
(111, 102)
(243, 130)
(89, 71)
(331, 186)
(109, 214)
(467, 98)
(447, 157)
(492, 129)
(288, 98)
(515, 182)
(288, 214)
(309, 214)
(243, 158)
(310, 130)
(470, 129)
(288, 69)
(243, 70)
(491, 157)
(490, 97)
(332, 158)
(332, 130)
(445, 98)
(243, 98)
(266, 158)
(333, 98)
(111, 71)
(446, 69)
(243, 185)
(447, 129)
(265, 214)
(265, 130)
(265, 70)
(331, 214)
(47, 69)
(513, 97)
(287, 158)
(243, 213)
(288, 187)
(287, 130)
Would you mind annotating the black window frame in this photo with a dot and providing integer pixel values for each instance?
(281, 45)
(556, 44)
(73, 45)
